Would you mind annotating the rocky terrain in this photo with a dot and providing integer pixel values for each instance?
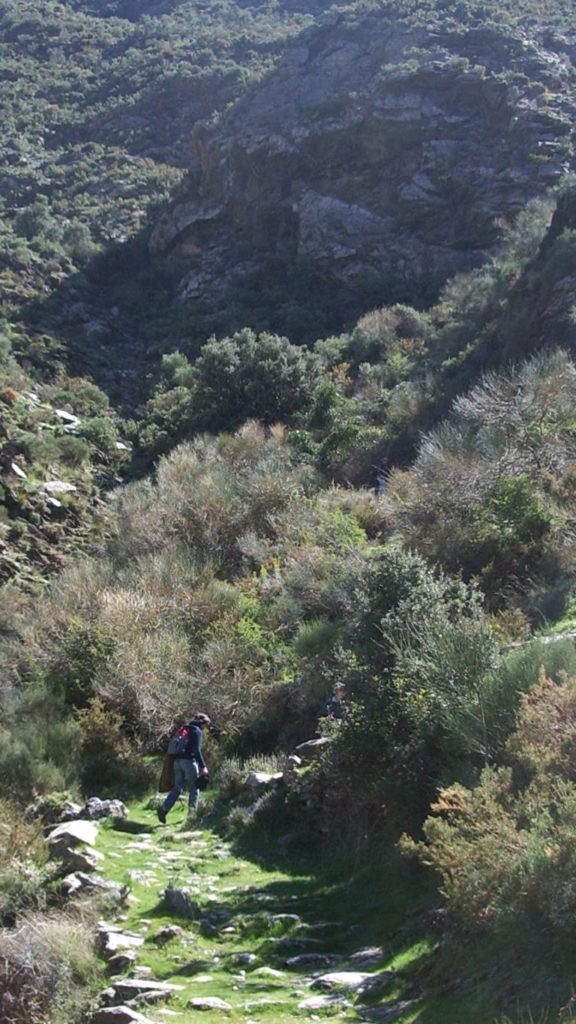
(193, 928)
(378, 151)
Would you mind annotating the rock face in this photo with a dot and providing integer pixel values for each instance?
(541, 305)
(377, 151)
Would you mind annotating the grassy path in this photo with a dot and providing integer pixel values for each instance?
(257, 937)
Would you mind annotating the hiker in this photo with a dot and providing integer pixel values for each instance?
(334, 708)
(189, 764)
(382, 475)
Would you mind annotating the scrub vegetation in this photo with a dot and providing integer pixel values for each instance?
(232, 509)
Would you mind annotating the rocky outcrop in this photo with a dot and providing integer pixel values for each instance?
(541, 306)
(377, 151)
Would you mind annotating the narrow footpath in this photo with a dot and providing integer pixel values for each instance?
(200, 934)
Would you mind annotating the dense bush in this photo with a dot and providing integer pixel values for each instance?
(246, 376)
(47, 965)
(23, 855)
(505, 849)
(491, 491)
(418, 673)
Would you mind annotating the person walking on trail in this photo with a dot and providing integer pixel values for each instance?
(334, 708)
(189, 764)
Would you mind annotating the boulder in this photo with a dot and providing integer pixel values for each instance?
(59, 487)
(73, 833)
(78, 860)
(70, 421)
(112, 940)
(349, 980)
(79, 881)
(120, 962)
(118, 1015)
(262, 782)
(209, 1003)
(244, 959)
(377, 985)
(134, 988)
(168, 933)
(95, 808)
(53, 814)
(290, 772)
(311, 749)
(183, 902)
(371, 956)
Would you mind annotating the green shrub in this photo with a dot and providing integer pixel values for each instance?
(85, 651)
(506, 849)
(104, 748)
(490, 492)
(23, 855)
(260, 818)
(18, 762)
(230, 778)
(517, 672)
(316, 638)
(47, 966)
(22, 891)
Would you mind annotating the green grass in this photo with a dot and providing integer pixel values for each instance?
(384, 903)
(336, 915)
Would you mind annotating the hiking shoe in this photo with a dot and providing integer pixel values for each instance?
(161, 815)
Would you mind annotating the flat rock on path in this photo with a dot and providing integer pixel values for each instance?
(129, 988)
(118, 1015)
(342, 979)
(209, 1003)
(112, 939)
(74, 833)
(313, 1003)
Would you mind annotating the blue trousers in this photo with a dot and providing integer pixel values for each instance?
(186, 774)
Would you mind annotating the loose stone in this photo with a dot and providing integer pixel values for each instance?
(210, 1003)
(323, 1003)
(311, 959)
(118, 1015)
(121, 961)
(342, 979)
(129, 988)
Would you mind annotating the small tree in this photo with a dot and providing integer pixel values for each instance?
(250, 376)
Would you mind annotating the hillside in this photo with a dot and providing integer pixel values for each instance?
(386, 152)
(287, 393)
(324, 163)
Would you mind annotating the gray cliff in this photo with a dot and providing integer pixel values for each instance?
(377, 150)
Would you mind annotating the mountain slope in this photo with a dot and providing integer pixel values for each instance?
(383, 150)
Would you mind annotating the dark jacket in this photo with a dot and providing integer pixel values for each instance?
(333, 708)
(194, 752)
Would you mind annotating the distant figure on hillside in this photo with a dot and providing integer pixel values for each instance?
(335, 707)
(189, 764)
(382, 475)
